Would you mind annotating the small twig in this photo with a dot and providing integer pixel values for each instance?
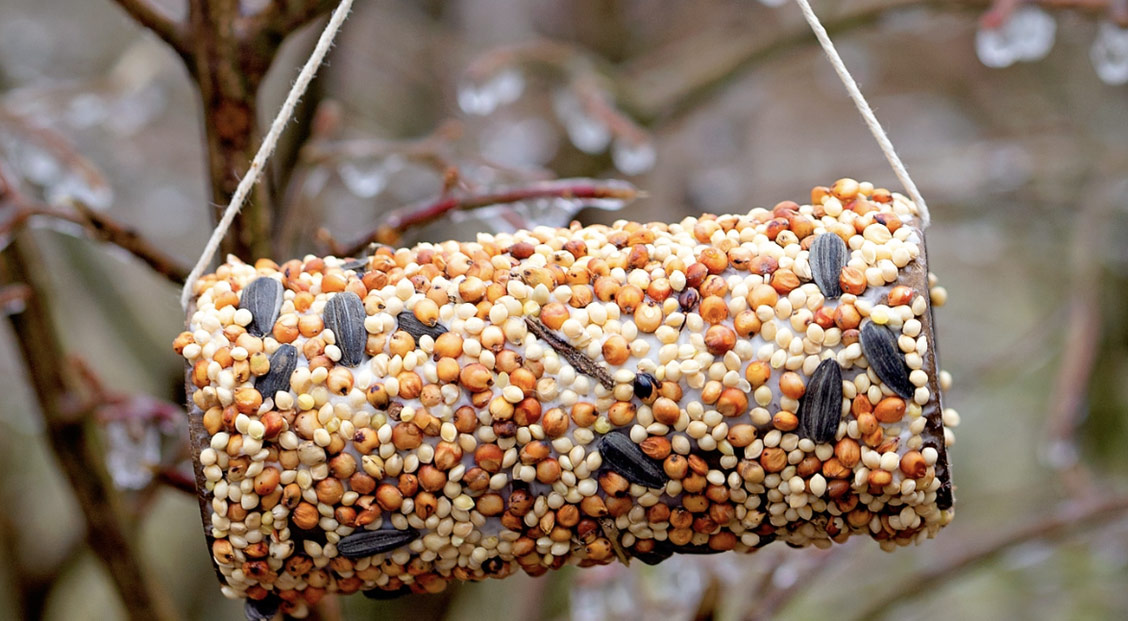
(572, 189)
(177, 480)
(775, 600)
(1068, 522)
(100, 227)
(145, 13)
(279, 18)
(577, 359)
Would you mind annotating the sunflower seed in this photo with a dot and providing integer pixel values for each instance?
(263, 297)
(369, 542)
(408, 323)
(821, 406)
(828, 255)
(382, 594)
(282, 364)
(880, 347)
(655, 556)
(627, 459)
(261, 609)
(344, 315)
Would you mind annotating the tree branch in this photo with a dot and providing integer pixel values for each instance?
(170, 30)
(1065, 523)
(411, 217)
(98, 226)
(281, 17)
(68, 415)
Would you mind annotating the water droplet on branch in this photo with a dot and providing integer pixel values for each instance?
(1109, 54)
(365, 179)
(500, 89)
(633, 158)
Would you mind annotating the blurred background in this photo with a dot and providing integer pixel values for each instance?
(1012, 118)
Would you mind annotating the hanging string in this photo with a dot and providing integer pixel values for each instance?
(285, 113)
(866, 111)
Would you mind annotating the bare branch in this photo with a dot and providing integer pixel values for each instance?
(67, 414)
(1061, 525)
(170, 30)
(100, 227)
(416, 216)
(281, 17)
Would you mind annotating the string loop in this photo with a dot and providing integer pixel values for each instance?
(865, 110)
(258, 164)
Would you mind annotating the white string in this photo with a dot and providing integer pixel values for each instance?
(285, 113)
(867, 112)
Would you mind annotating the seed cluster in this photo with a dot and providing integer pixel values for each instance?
(466, 410)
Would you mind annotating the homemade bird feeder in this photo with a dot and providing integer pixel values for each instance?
(457, 411)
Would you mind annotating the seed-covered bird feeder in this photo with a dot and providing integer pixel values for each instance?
(392, 422)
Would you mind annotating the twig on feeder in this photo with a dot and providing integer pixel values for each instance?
(399, 222)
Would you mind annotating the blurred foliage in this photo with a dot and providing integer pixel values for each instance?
(716, 105)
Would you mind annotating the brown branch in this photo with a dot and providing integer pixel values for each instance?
(572, 189)
(68, 415)
(668, 84)
(177, 480)
(100, 227)
(170, 30)
(1063, 524)
(280, 18)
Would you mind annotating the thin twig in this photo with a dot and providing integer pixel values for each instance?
(100, 227)
(1063, 524)
(279, 18)
(571, 189)
(575, 357)
(177, 480)
(144, 12)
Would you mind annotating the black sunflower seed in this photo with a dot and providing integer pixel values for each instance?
(382, 594)
(627, 459)
(821, 406)
(344, 315)
(369, 542)
(261, 609)
(828, 255)
(655, 556)
(880, 347)
(408, 323)
(282, 364)
(263, 297)
(644, 385)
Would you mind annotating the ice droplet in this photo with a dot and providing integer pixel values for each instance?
(1028, 35)
(1032, 30)
(500, 89)
(1109, 54)
(364, 179)
(130, 459)
(590, 135)
(530, 141)
(633, 158)
(993, 48)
